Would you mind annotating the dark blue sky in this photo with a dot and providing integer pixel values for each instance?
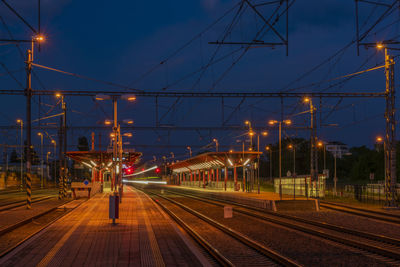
(121, 41)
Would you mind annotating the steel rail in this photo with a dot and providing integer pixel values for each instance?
(361, 209)
(358, 213)
(379, 238)
(217, 256)
(353, 243)
(19, 203)
(273, 255)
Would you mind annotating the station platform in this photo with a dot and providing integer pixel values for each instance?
(268, 200)
(143, 236)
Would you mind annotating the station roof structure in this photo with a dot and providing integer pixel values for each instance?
(102, 157)
(214, 160)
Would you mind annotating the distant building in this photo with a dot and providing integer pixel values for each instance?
(337, 148)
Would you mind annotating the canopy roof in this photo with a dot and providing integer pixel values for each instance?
(102, 158)
(214, 160)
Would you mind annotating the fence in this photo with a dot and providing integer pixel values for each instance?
(370, 193)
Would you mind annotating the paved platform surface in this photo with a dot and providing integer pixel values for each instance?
(143, 236)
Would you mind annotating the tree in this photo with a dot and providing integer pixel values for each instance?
(83, 144)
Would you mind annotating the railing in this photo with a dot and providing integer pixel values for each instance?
(370, 193)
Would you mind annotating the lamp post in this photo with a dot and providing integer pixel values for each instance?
(41, 159)
(190, 151)
(268, 148)
(63, 151)
(28, 93)
(273, 122)
(216, 144)
(322, 144)
(251, 136)
(264, 133)
(55, 164)
(313, 139)
(117, 140)
(47, 161)
(22, 151)
(293, 147)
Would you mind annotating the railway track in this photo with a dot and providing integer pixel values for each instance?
(386, 248)
(377, 215)
(20, 203)
(240, 246)
(48, 217)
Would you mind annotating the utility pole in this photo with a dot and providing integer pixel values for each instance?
(313, 147)
(65, 172)
(28, 94)
(390, 146)
(61, 160)
(115, 143)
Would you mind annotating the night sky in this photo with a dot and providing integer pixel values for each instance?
(121, 41)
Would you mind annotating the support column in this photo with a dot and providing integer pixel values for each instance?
(226, 176)
(204, 178)
(235, 177)
(217, 177)
(198, 177)
(244, 178)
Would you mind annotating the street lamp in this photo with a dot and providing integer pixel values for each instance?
(22, 151)
(41, 158)
(268, 148)
(55, 164)
(63, 151)
(264, 133)
(293, 147)
(216, 144)
(47, 161)
(272, 123)
(322, 144)
(190, 151)
(313, 139)
(250, 133)
(117, 139)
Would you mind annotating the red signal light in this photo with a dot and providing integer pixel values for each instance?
(158, 170)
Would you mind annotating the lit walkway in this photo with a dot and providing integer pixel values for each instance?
(143, 236)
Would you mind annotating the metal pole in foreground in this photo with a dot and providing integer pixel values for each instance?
(28, 93)
(280, 160)
(60, 157)
(65, 172)
(115, 144)
(390, 148)
(41, 160)
(22, 153)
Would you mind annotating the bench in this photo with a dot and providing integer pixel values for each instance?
(76, 186)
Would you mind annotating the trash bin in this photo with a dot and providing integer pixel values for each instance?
(113, 208)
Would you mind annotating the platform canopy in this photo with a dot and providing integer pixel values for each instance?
(214, 160)
(102, 158)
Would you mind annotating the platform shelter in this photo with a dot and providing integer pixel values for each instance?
(100, 162)
(217, 170)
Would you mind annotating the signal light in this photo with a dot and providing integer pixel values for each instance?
(158, 170)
